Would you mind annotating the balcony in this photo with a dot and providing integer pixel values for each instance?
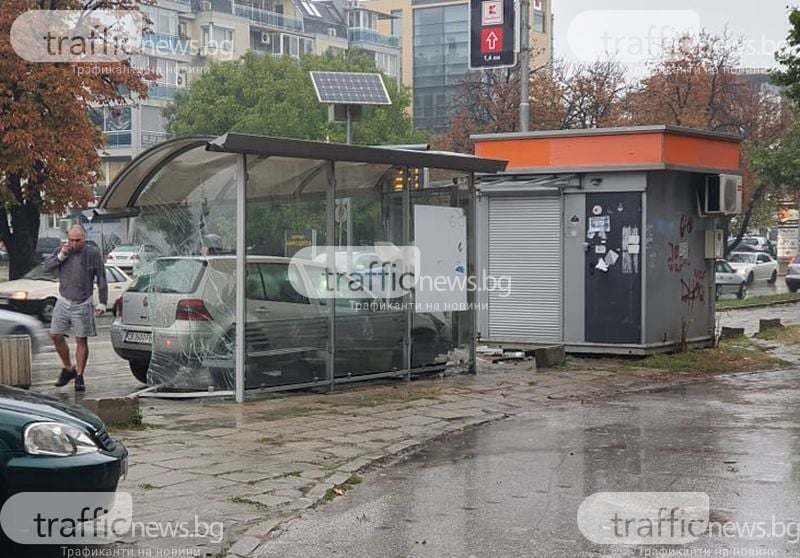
(167, 44)
(372, 37)
(118, 139)
(269, 19)
(149, 139)
(162, 91)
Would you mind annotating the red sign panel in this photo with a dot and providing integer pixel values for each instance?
(491, 40)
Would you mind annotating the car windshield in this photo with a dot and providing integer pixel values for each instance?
(751, 241)
(39, 274)
(742, 258)
(170, 276)
(723, 267)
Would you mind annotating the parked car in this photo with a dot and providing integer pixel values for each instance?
(182, 311)
(754, 266)
(53, 446)
(15, 323)
(793, 275)
(728, 281)
(35, 293)
(754, 244)
(130, 256)
(45, 246)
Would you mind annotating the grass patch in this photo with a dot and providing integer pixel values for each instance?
(733, 355)
(787, 334)
(757, 301)
(290, 474)
(135, 422)
(257, 505)
(146, 486)
(340, 489)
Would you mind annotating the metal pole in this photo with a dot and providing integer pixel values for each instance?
(330, 264)
(524, 64)
(241, 263)
(349, 125)
(411, 298)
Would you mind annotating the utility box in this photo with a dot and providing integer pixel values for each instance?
(15, 361)
(605, 237)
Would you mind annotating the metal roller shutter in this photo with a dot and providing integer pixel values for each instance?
(525, 244)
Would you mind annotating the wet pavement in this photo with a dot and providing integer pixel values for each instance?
(513, 488)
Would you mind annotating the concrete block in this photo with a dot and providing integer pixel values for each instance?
(549, 356)
(114, 410)
(731, 332)
(772, 323)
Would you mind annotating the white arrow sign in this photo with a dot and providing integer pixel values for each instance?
(491, 40)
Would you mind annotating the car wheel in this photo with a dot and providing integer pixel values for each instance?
(773, 277)
(793, 288)
(46, 311)
(221, 377)
(750, 278)
(718, 292)
(742, 292)
(139, 369)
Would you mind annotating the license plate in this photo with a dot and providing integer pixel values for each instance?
(143, 338)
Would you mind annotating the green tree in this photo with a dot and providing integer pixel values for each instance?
(274, 96)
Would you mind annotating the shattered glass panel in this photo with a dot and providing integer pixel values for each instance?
(178, 317)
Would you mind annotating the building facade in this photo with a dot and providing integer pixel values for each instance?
(435, 47)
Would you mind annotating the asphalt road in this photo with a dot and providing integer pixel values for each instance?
(514, 488)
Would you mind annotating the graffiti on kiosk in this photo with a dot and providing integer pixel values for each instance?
(678, 256)
(687, 222)
(692, 292)
(700, 274)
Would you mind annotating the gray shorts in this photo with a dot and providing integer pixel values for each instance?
(79, 317)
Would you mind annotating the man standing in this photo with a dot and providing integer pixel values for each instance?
(78, 267)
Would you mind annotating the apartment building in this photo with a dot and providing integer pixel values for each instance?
(435, 44)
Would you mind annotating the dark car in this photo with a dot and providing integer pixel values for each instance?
(45, 246)
(47, 445)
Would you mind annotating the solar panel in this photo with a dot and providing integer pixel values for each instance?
(350, 88)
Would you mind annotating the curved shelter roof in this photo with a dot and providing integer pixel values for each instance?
(178, 170)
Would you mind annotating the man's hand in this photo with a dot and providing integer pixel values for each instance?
(65, 251)
(100, 310)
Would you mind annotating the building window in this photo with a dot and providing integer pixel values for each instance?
(397, 23)
(441, 51)
(115, 122)
(292, 45)
(218, 37)
(539, 16)
(387, 63)
(165, 22)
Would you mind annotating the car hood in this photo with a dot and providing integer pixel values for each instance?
(35, 289)
(740, 265)
(35, 407)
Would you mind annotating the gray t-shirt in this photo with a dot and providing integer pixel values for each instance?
(78, 273)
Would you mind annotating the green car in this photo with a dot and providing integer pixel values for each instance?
(47, 445)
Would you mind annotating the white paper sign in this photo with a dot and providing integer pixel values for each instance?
(633, 248)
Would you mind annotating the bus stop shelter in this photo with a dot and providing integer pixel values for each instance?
(232, 216)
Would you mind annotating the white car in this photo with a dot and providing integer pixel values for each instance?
(728, 281)
(130, 256)
(754, 266)
(14, 323)
(36, 292)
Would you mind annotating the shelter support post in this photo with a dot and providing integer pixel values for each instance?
(241, 271)
(330, 262)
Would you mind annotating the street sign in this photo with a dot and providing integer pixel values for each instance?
(491, 37)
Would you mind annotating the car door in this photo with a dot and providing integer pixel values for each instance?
(763, 266)
(727, 279)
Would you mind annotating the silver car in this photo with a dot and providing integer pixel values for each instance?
(14, 323)
(728, 281)
(180, 314)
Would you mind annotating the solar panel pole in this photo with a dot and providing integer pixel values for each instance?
(349, 125)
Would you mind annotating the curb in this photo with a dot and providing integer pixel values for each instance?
(760, 305)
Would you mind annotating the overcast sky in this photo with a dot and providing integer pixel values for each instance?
(633, 27)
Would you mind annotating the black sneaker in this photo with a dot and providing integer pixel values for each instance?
(66, 377)
(79, 385)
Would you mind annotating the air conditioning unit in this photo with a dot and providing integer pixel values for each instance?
(266, 38)
(723, 194)
(180, 80)
(205, 6)
(332, 31)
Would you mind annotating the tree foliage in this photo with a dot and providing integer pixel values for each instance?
(48, 143)
(274, 96)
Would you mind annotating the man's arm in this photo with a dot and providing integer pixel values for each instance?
(102, 284)
(54, 260)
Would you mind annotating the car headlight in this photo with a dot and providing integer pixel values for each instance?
(56, 439)
(19, 295)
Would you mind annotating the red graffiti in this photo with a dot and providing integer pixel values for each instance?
(687, 222)
(700, 274)
(675, 262)
(692, 292)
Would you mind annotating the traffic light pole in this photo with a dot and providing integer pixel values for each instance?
(524, 64)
